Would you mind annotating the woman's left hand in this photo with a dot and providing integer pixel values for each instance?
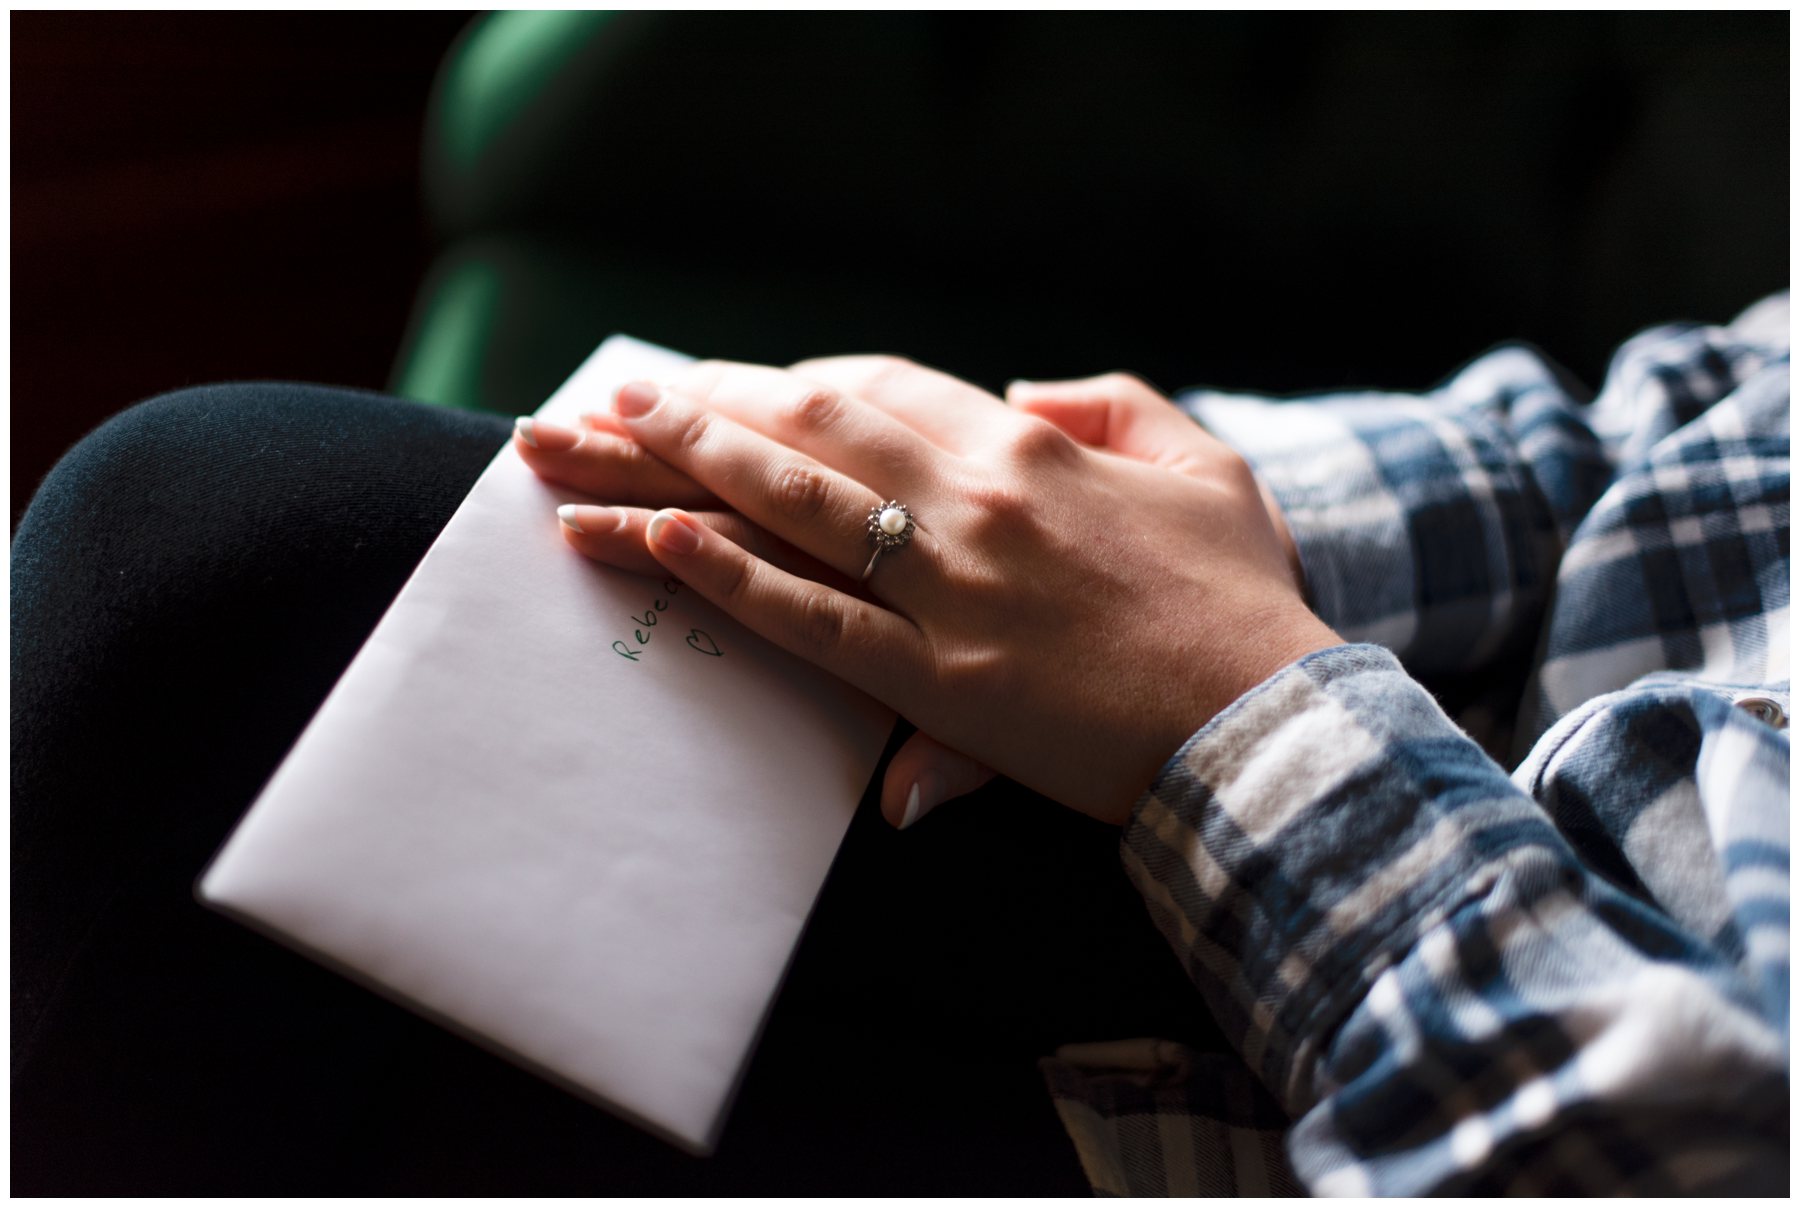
(1065, 615)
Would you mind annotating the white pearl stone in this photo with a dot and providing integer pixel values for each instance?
(893, 521)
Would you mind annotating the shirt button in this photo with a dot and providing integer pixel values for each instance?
(1764, 710)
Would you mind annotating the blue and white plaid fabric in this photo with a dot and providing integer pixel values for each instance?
(1439, 977)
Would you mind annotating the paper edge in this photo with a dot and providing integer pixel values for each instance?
(699, 1149)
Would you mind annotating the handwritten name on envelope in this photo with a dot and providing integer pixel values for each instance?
(644, 628)
(596, 861)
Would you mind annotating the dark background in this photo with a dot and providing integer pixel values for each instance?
(1284, 202)
(200, 197)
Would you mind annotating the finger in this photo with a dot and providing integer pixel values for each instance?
(837, 429)
(863, 643)
(923, 774)
(615, 536)
(806, 504)
(609, 467)
(1115, 411)
(951, 413)
(603, 421)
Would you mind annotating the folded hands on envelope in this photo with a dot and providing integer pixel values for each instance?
(1090, 578)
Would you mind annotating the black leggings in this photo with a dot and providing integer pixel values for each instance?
(187, 585)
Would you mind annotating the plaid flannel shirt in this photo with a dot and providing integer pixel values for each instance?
(1438, 977)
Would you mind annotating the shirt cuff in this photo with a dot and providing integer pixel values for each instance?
(1300, 842)
(1417, 524)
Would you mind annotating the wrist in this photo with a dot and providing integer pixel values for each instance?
(1278, 521)
(1269, 641)
(1275, 641)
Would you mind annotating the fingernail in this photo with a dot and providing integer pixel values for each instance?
(1015, 383)
(590, 518)
(548, 437)
(673, 533)
(921, 799)
(635, 399)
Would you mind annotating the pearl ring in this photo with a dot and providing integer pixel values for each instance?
(891, 526)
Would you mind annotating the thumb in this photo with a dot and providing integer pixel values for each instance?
(1114, 411)
(1125, 415)
(923, 774)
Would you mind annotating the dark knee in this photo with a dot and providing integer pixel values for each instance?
(225, 454)
(136, 450)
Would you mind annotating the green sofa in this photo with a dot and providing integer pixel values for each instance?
(1278, 201)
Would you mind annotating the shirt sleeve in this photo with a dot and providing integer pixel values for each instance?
(1433, 523)
(1412, 958)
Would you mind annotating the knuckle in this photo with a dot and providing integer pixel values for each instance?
(735, 578)
(702, 377)
(955, 671)
(1037, 440)
(822, 623)
(690, 432)
(997, 502)
(1129, 388)
(1000, 513)
(735, 529)
(830, 369)
(1228, 465)
(814, 410)
(881, 363)
(630, 456)
(874, 370)
(799, 493)
(1238, 471)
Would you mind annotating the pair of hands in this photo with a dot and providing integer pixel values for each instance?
(1092, 578)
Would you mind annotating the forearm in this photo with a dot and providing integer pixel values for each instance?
(1415, 961)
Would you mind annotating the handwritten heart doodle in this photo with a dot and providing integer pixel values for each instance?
(702, 641)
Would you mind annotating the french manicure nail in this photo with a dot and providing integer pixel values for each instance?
(591, 519)
(635, 399)
(921, 799)
(551, 438)
(673, 533)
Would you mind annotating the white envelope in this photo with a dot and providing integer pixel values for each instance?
(580, 838)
